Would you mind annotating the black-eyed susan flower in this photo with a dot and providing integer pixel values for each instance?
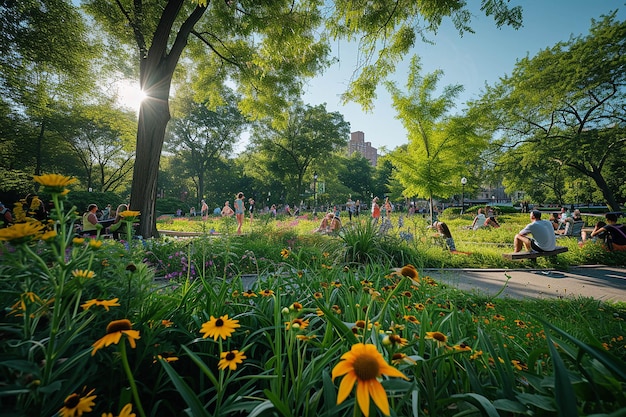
(297, 324)
(222, 327)
(115, 330)
(127, 411)
(318, 295)
(267, 293)
(21, 232)
(83, 273)
(102, 303)
(411, 319)
(49, 235)
(167, 323)
(409, 271)
(398, 358)
(363, 365)
(476, 354)
(230, 359)
(520, 323)
(490, 306)
(498, 317)
(394, 340)
(76, 404)
(249, 294)
(438, 337)
(285, 253)
(462, 347)
(519, 365)
(296, 307)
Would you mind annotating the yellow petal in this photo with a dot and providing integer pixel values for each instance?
(363, 397)
(341, 368)
(389, 370)
(378, 394)
(345, 388)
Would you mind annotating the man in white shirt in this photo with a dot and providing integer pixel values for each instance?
(543, 239)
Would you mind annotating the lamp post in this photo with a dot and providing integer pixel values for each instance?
(463, 182)
(314, 191)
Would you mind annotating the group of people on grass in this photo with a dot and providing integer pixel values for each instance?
(540, 235)
(544, 238)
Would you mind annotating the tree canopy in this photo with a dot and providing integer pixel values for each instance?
(266, 48)
(290, 148)
(432, 164)
(567, 103)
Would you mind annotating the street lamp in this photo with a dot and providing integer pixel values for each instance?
(463, 182)
(314, 191)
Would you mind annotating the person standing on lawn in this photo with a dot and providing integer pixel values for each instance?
(543, 238)
(239, 211)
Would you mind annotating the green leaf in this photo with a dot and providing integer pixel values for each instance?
(479, 402)
(281, 407)
(614, 364)
(564, 392)
(190, 397)
(510, 406)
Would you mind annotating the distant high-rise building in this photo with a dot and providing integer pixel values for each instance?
(357, 144)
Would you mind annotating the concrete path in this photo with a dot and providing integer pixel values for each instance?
(597, 281)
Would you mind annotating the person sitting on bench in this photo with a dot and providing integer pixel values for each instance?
(543, 239)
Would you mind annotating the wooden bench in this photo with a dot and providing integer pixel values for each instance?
(533, 255)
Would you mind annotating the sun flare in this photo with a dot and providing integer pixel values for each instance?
(129, 94)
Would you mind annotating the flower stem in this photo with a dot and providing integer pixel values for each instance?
(131, 378)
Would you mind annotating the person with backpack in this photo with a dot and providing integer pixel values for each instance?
(7, 217)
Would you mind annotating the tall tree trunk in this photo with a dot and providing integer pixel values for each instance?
(156, 69)
(154, 115)
(608, 195)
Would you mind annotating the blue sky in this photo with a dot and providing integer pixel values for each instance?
(471, 61)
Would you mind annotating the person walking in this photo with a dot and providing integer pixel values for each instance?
(239, 211)
(350, 208)
(375, 210)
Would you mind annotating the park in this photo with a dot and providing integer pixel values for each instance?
(179, 304)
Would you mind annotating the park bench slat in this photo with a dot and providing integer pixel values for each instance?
(532, 255)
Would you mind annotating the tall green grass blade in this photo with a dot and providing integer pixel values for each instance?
(563, 390)
(281, 407)
(478, 401)
(190, 397)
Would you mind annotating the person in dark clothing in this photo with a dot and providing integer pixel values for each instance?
(614, 234)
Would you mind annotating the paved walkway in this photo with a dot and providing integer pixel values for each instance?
(597, 281)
